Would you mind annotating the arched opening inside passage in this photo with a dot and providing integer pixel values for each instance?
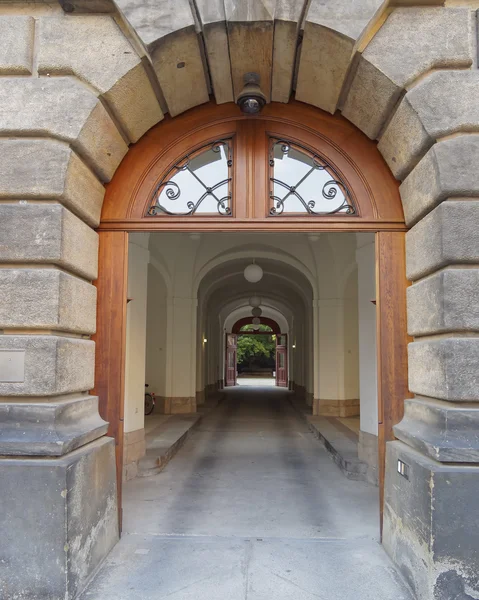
(311, 262)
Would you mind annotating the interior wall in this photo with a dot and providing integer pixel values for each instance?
(156, 332)
(336, 390)
(351, 335)
(368, 386)
(138, 256)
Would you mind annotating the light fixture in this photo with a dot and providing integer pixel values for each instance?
(256, 320)
(256, 311)
(253, 273)
(251, 99)
(294, 346)
(255, 301)
(204, 340)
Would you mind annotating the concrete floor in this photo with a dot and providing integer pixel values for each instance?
(256, 381)
(251, 508)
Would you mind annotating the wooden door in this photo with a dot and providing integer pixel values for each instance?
(282, 360)
(110, 339)
(392, 340)
(230, 363)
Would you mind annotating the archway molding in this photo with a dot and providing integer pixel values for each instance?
(275, 328)
(270, 317)
(116, 82)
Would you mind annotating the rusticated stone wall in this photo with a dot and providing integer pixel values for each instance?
(80, 82)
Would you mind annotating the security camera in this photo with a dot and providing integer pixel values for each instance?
(251, 99)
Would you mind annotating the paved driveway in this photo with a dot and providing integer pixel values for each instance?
(251, 508)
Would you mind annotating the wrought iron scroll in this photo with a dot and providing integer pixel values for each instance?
(173, 191)
(328, 191)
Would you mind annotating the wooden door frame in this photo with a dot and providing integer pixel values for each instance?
(284, 347)
(381, 213)
(227, 353)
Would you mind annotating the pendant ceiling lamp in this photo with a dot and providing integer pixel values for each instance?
(256, 321)
(257, 312)
(255, 301)
(253, 273)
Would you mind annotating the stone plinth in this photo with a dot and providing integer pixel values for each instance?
(64, 510)
(431, 524)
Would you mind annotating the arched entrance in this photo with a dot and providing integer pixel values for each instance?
(358, 194)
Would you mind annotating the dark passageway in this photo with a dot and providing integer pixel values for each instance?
(251, 507)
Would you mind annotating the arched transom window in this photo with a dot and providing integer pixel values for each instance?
(290, 169)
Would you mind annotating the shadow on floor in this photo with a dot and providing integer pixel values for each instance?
(251, 507)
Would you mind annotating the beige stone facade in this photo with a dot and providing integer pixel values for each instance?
(82, 80)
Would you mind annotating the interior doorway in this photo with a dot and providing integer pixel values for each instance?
(256, 360)
(260, 160)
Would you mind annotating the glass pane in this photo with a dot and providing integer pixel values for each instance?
(231, 360)
(280, 360)
(304, 183)
(199, 183)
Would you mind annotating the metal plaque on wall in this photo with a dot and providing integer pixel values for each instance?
(12, 366)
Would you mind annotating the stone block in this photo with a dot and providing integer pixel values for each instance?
(168, 30)
(431, 524)
(445, 368)
(394, 59)
(51, 427)
(250, 36)
(325, 59)
(213, 23)
(46, 299)
(336, 408)
(179, 67)
(443, 302)
(47, 233)
(287, 25)
(447, 170)
(16, 45)
(443, 431)
(49, 169)
(95, 50)
(79, 7)
(177, 405)
(53, 365)
(58, 521)
(436, 107)
(327, 49)
(62, 107)
(368, 454)
(447, 235)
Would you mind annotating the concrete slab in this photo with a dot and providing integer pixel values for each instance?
(339, 440)
(256, 381)
(250, 508)
(164, 441)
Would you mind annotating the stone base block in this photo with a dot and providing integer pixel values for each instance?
(200, 397)
(431, 524)
(58, 521)
(336, 408)
(176, 406)
(134, 448)
(300, 391)
(368, 453)
(49, 428)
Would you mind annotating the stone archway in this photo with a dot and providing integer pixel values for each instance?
(96, 83)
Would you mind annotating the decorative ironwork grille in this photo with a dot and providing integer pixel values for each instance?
(303, 182)
(200, 182)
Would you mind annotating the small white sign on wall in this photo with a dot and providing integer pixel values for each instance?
(12, 366)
